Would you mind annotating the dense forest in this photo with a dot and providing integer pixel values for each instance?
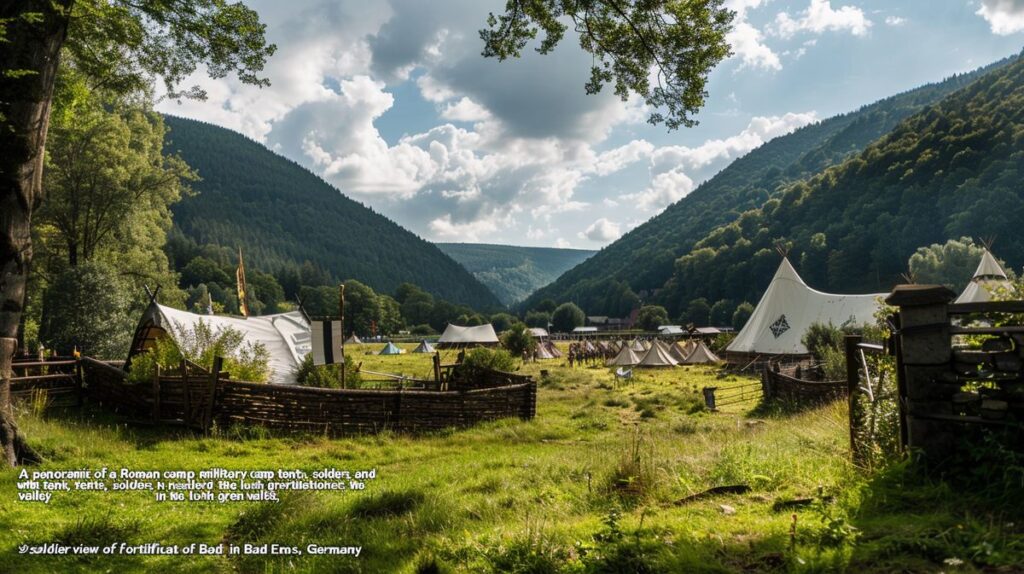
(283, 216)
(954, 169)
(643, 260)
(511, 272)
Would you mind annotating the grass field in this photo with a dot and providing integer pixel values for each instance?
(596, 483)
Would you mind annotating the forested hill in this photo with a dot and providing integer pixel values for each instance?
(281, 214)
(512, 272)
(644, 258)
(954, 169)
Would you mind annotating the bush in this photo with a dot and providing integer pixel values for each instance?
(518, 340)
(245, 361)
(423, 329)
(651, 317)
(567, 317)
(494, 359)
(327, 376)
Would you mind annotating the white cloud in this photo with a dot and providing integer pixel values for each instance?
(895, 21)
(561, 243)
(666, 188)
(1004, 17)
(746, 40)
(465, 110)
(602, 231)
(747, 45)
(820, 17)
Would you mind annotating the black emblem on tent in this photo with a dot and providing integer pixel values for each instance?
(780, 326)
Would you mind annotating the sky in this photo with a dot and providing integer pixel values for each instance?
(392, 103)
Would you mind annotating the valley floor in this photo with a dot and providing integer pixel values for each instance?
(596, 483)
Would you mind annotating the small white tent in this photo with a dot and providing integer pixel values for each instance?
(353, 340)
(286, 336)
(424, 347)
(625, 358)
(700, 355)
(455, 337)
(658, 356)
(789, 307)
(987, 278)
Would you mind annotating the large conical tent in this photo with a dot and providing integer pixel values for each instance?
(625, 358)
(988, 278)
(423, 347)
(701, 355)
(680, 351)
(353, 340)
(638, 346)
(390, 349)
(789, 307)
(542, 353)
(658, 356)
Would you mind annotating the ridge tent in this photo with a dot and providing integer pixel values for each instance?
(679, 350)
(423, 347)
(553, 349)
(542, 353)
(390, 349)
(353, 340)
(625, 358)
(987, 277)
(456, 337)
(286, 336)
(658, 356)
(538, 333)
(788, 307)
(701, 355)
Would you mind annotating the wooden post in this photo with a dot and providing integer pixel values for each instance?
(709, 398)
(852, 386)
(211, 394)
(156, 394)
(341, 312)
(437, 369)
(186, 415)
(925, 352)
(78, 380)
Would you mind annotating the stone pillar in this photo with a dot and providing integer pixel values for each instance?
(925, 364)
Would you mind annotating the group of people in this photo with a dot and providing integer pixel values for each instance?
(585, 353)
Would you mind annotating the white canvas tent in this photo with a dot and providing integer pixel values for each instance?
(701, 355)
(538, 333)
(455, 337)
(789, 307)
(658, 356)
(424, 347)
(286, 336)
(987, 278)
(353, 340)
(625, 358)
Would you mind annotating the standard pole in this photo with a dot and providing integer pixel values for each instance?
(341, 311)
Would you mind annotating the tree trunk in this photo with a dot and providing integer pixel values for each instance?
(28, 68)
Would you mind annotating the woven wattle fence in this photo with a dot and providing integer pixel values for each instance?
(202, 400)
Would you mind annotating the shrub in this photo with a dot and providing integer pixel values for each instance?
(245, 361)
(327, 376)
(494, 359)
(88, 307)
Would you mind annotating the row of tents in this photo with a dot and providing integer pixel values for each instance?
(662, 354)
(789, 307)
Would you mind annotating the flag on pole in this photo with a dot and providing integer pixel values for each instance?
(240, 277)
(327, 340)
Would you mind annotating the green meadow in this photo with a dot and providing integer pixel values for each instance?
(610, 477)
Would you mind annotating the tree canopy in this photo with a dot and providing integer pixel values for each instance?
(680, 40)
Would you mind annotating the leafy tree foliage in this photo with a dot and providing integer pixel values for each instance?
(951, 263)
(537, 319)
(741, 315)
(518, 340)
(202, 270)
(698, 312)
(200, 344)
(502, 321)
(681, 41)
(494, 359)
(651, 316)
(567, 317)
(88, 307)
(328, 376)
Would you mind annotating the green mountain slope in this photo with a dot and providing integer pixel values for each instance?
(954, 169)
(644, 258)
(282, 214)
(512, 272)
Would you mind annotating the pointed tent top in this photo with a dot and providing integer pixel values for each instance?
(657, 356)
(390, 349)
(625, 358)
(989, 268)
(788, 272)
(424, 347)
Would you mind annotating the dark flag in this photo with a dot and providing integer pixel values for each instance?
(243, 307)
(327, 340)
